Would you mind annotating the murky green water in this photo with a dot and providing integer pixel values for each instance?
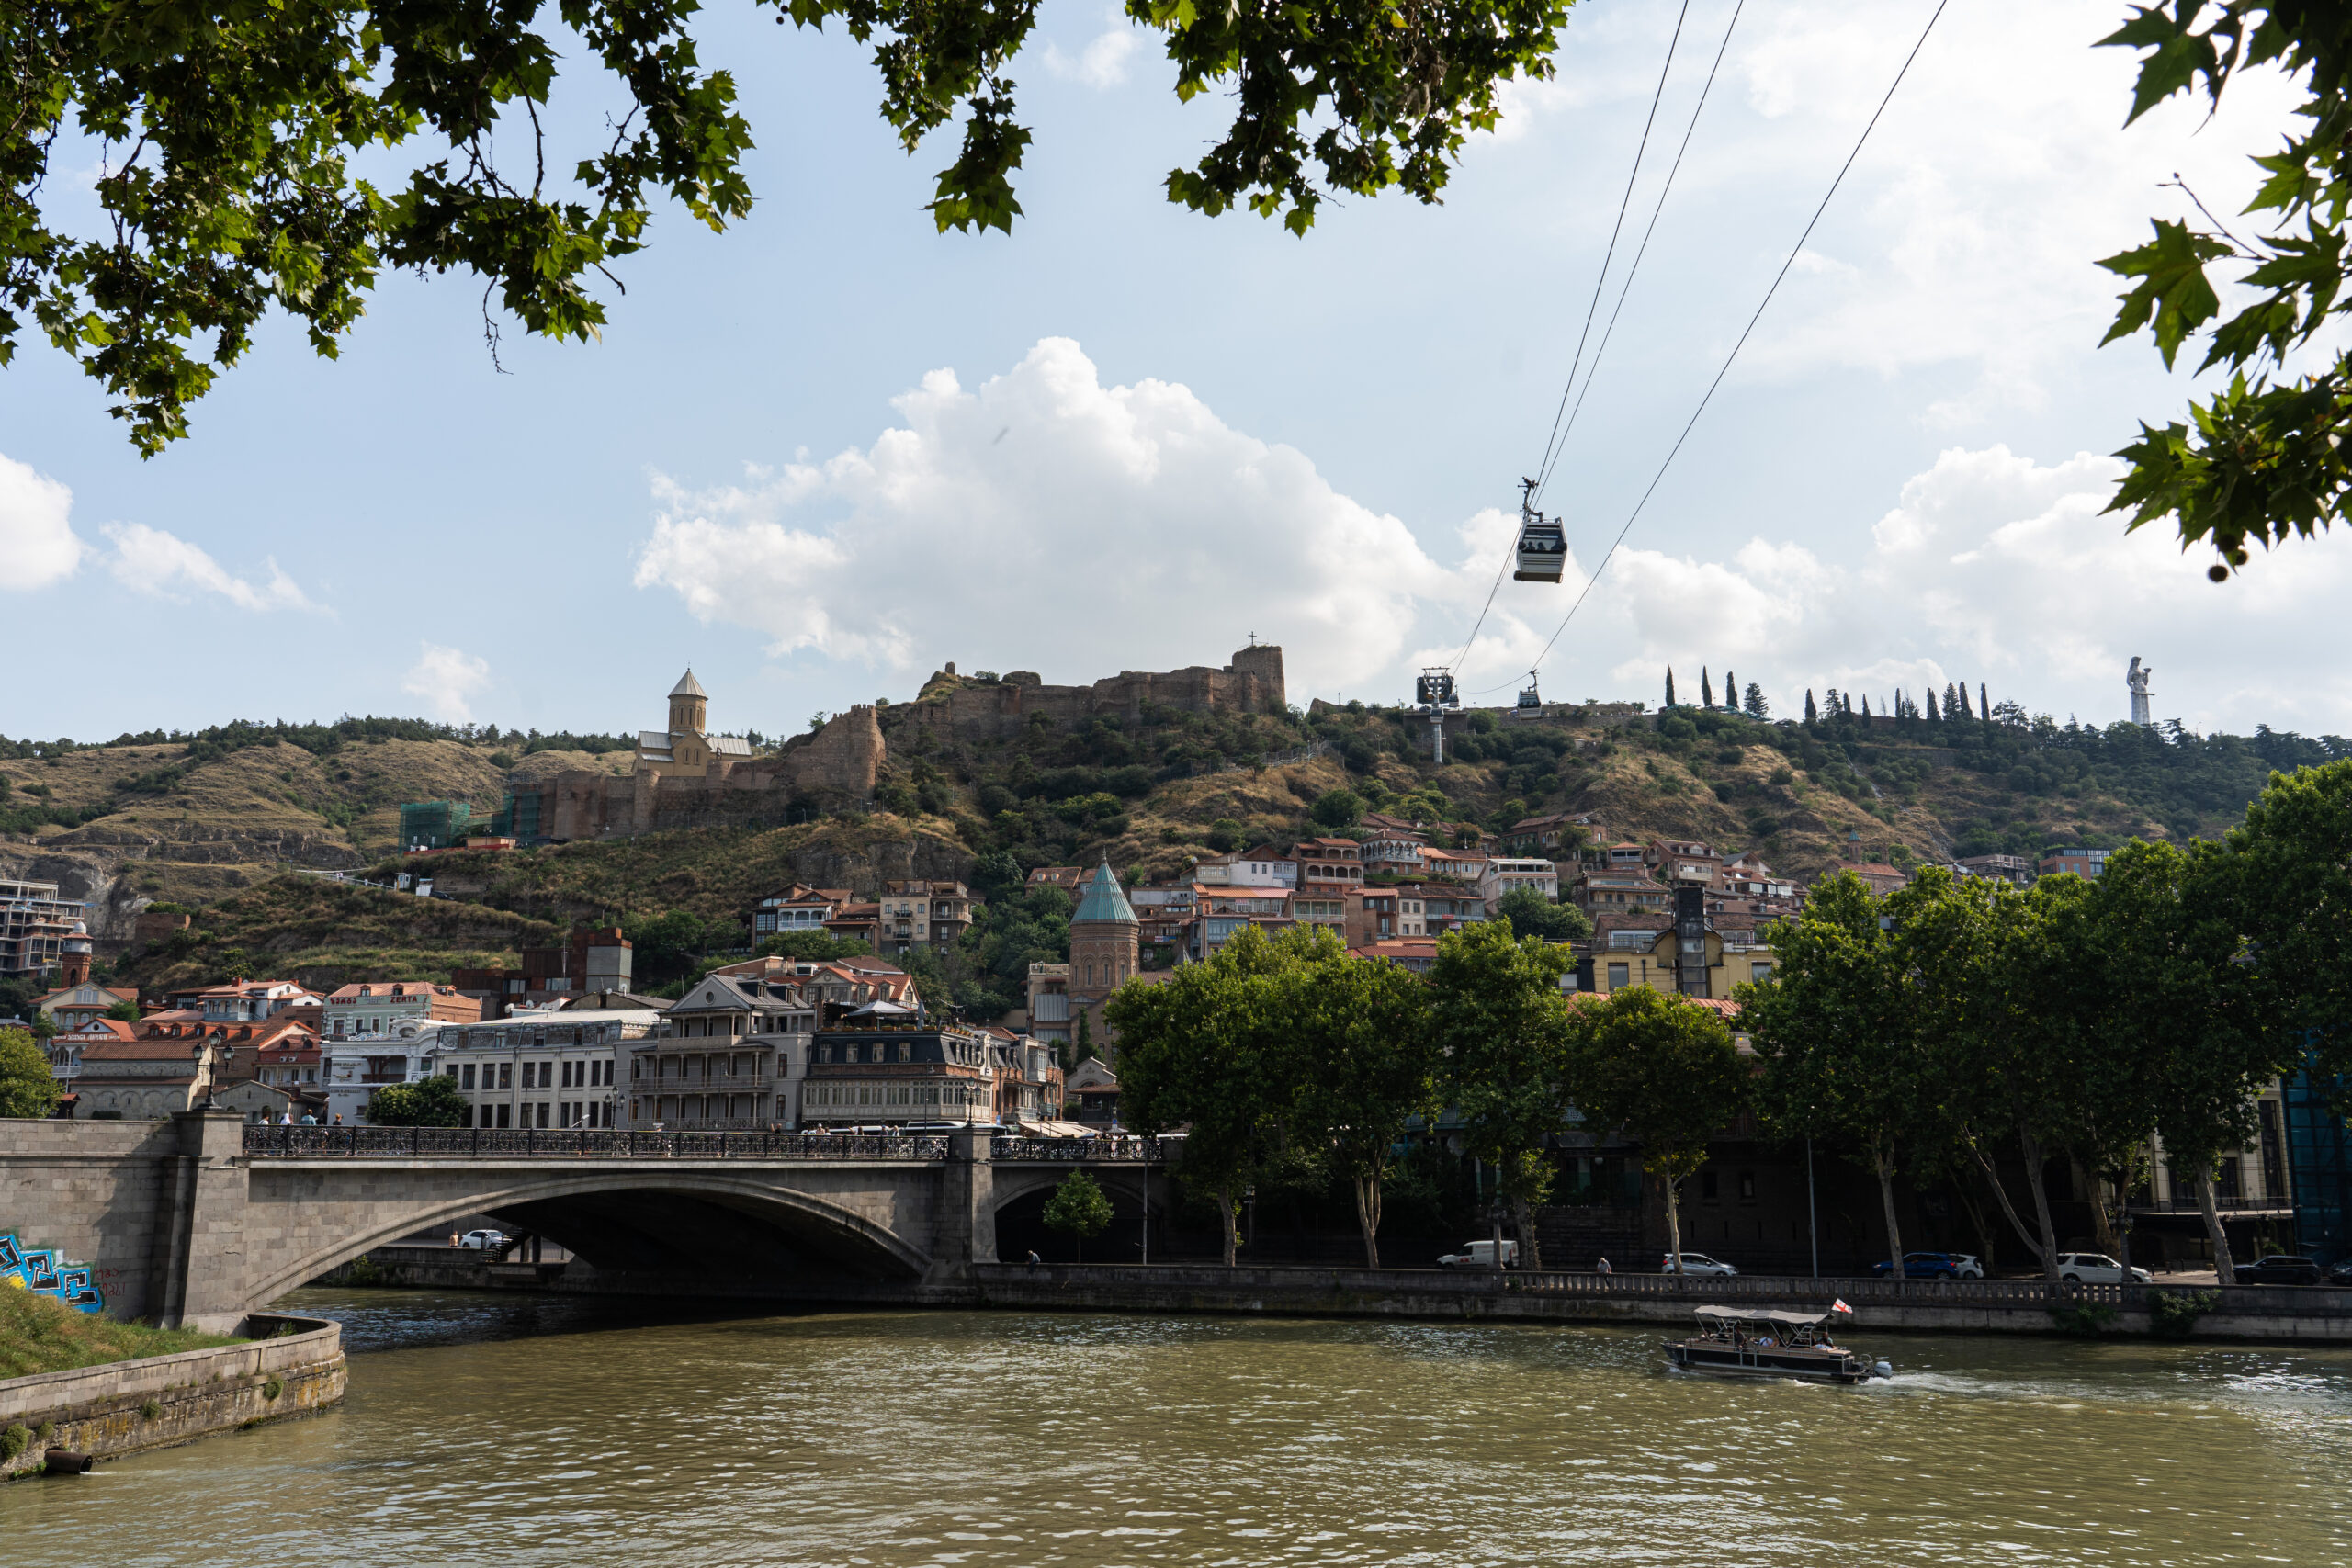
(907, 1438)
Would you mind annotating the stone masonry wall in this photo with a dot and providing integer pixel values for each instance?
(836, 766)
(95, 1190)
(159, 1401)
(967, 710)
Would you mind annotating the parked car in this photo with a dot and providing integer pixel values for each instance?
(2279, 1268)
(2097, 1268)
(1966, 1266)
(1695, 1263)
(1480, 1255)
(485, 1241)
(1926, 1266)
(2340, 1272)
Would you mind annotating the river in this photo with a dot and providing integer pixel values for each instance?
(489, 1429)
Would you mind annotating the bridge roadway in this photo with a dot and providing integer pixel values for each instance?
(201, 1219)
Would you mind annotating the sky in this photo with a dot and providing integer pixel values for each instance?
(819, 456)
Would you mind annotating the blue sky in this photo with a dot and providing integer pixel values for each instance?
(823, 453)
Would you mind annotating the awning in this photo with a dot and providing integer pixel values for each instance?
(1764, 1314)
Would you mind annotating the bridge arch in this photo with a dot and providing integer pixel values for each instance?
(1019, 1193)
(342, 1232)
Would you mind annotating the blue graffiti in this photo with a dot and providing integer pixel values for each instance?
(43, 1272)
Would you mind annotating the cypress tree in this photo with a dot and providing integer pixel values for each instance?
(1670, 685)
(1984, 704)
(1866, 704)
(1811, 713)
(1934, 716)
(1706, 689)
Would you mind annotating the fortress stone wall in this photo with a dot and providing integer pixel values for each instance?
(835, 767)
(961, 708)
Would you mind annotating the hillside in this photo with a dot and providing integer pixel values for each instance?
(218, 826)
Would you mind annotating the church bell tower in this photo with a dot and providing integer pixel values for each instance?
(689, 704)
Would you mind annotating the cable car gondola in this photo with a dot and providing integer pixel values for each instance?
(1543, 544)
(1531, 697)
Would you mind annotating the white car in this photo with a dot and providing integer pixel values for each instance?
(485, 1241)
(2097, 1268)
(1966, 1266)
(1480, 1255)
(1695, 1263)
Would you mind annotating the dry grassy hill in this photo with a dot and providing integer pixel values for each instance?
(220, 828)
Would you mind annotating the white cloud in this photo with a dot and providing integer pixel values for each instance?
(37, 545)
(448, 680)
(163, 566)
(1048, 522)
(1993, 568)
(1102, 64)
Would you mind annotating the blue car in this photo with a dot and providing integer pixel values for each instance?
(1922, 1266)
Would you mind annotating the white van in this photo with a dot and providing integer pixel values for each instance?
(1480, 1255)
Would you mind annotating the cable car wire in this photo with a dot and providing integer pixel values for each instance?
(1544, 475)
(1599, 282)
(1796, 251)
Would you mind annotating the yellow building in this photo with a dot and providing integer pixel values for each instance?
(1624, 958)
(687, 746)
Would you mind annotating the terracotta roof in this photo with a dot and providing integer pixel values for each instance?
(149, 1049)
(108, 1027)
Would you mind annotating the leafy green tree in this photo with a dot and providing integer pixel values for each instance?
(1336, 809)
(1662, 1070)
(431, 1102)
(25, 1089)
(1758, 708)
(1838, 1027)
(1359, 1062)
(1530, 914)
(812, 946)
(1079, 1210)
(1194, 1054)
(1500, 1024)
(2207, 1018)
(124, 1012)
(232, 182)
(2263, 462)
(2291, 865)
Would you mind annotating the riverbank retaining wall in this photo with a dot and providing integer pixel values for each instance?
(1965, 1306)
(288, 1366)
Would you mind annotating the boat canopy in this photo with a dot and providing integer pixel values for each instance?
(1765, 1314)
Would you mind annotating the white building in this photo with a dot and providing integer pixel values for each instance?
(544, 1068)
(1248, 868)
(1503, 872)
(355, 1067)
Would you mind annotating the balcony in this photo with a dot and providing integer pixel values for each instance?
(721, 1083)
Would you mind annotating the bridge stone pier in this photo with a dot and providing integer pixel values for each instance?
(200, 1220)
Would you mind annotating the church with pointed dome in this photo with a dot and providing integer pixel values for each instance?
(687, 746)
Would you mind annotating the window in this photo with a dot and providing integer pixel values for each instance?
(466, 1079)
(503, 1111)
(1760, 971)
(505, 1080)
(1707, 1187)
(1747, 1187)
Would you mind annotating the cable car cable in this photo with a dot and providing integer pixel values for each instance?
(1544, 475)
(1600, 282)
(1798, 250)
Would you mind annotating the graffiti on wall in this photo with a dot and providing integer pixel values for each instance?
(43, 1272)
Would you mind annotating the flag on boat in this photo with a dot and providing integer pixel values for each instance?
(1839, 1305)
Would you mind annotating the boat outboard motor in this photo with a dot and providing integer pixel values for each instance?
(1882, 1369)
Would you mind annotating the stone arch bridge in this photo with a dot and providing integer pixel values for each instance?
(201, 1219)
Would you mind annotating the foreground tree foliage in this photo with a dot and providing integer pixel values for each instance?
(1663, 1070)
(230, 136)
(26, 1087)
(1080, 1210)
(435, 1101)
(2262, 461)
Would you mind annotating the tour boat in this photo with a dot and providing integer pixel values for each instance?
(1758, 1342)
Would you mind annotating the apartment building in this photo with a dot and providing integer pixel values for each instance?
(922, 914)
(355, 1066)
(546, 1067)
(1328, 866)
(887, 1065)
(1397, 851)
(2079, 861)
(1556, 837)
(1680, 863)
(1162, 915)
(1264, 866)
(1502, 874)
(35, 924)
(375, 1008)
(727, 1056)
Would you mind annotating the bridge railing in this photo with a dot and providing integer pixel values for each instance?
(1072, 1151)
(581, 1143)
